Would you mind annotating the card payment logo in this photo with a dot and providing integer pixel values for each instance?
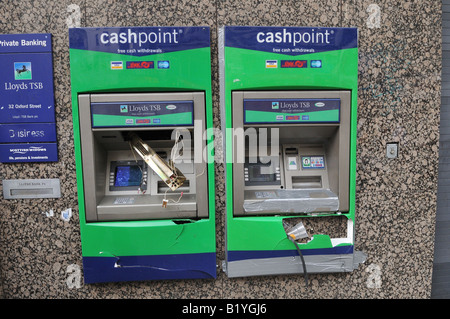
(163, 64)
(116, 65)
(271, 64)
(316, 63)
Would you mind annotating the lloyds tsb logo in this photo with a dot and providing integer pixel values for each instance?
(22, 71)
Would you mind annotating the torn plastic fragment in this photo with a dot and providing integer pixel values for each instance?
(49, 213)
(359, 257)
(298, 232)
(66, 214)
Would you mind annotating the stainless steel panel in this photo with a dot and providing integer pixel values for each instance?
(100, 146)
(329, 139)
(31, 188)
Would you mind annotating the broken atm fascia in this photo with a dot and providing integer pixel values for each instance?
(126, 233)
(261, 65)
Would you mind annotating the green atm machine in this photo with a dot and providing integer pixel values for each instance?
(141, 101)
(288, 104)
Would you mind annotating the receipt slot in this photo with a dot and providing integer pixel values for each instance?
(145, 176)
(289, 98)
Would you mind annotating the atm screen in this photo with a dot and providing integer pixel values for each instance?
(255, 174)
(129, 175)
(258, 174)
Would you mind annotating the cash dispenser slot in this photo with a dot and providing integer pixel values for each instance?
(304, 182)
(134, 172)
(312, 174)
(163, 188)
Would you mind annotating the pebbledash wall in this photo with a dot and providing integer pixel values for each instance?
(398, 101)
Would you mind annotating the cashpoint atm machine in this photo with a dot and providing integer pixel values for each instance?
(289, 107)
(141, 103)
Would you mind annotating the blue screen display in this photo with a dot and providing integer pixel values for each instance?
(130, 175)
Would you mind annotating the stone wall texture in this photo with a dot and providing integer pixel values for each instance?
(398, 101)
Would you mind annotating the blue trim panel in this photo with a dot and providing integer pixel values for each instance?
(258, 254)
(291, 41)
(159, 267)
(144, 40)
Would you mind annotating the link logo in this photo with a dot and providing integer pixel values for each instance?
(140, 64)
(294, 64)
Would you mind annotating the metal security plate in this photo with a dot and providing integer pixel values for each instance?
(31, 188)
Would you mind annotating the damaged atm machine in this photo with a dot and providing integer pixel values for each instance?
(141, 99)
(288, 104)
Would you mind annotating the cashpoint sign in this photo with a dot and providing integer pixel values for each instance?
(26, 98)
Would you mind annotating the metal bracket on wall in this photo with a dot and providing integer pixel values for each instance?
(392, 150)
